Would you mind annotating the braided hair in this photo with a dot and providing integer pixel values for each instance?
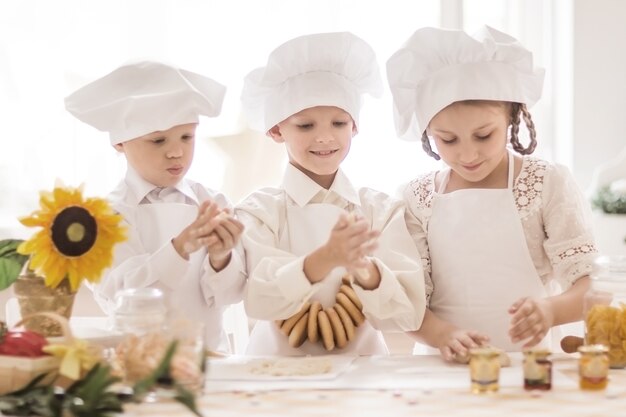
(427, 148)
(516, 109)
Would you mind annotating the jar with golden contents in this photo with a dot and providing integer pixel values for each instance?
(604, 308)
(537, 369)
(484, 367)
(593, 367)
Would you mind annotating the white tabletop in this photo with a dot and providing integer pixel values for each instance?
(397, 386)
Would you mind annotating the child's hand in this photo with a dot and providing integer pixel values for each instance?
(531, 319)
(457, 343)
(350, 242)
(228, 232)
(200, 232)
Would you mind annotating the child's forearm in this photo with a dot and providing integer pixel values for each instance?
(433, 330)
(317, 265)
(568, 306)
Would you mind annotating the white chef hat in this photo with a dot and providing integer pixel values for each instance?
(437, 67)
(326, 69)
(144, 97)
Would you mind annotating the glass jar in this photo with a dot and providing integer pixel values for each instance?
(537, 369)
(604, 308)
(139, 311)
(141, 316)
(593, 367)
(484, 367)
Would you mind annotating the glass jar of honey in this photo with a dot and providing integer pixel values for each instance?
(604, 308)
(593, 367)
(537, 369)
(484, 367)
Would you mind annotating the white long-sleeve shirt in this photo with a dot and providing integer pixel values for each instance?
(277, 286)
(136, 267)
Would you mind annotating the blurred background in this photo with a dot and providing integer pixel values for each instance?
(49, 49)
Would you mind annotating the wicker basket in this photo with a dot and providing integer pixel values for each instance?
(17, 371)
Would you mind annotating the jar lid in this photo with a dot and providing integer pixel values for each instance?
(485, 351)
(142, 301)
(593, 349)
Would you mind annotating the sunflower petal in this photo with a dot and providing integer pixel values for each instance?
(55, 266)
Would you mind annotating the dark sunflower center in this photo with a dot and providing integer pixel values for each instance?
(74, 231)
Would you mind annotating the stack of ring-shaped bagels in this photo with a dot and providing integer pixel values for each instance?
(334, 326)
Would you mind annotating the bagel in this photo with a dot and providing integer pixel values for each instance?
(341, 340)
(298, 333)
(287, 326)
(355, 314)
(348, 325)
(326, 330)
(349, 291)
(313, 331)
(347, 279)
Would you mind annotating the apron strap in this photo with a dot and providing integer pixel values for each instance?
(511, 171)
(444, 181)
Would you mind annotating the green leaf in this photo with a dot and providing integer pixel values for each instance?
(11, 262)
(90, 397)
(183, 396)
(9, 271)
(187, 398)
(144, 385)
(9, 246)
(30, 400)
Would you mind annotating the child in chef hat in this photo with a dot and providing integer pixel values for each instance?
(181, 234)
(304, 236)
(494, 227)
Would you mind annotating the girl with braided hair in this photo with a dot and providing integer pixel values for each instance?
(496, 230)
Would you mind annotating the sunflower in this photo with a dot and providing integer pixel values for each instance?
(77, 237)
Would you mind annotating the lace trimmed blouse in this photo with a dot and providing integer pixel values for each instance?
(555, 217)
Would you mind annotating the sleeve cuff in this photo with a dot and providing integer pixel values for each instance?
(168, 266)
(377, 299)
(215, 283)
(291, 281)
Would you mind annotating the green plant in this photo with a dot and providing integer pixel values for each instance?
(91, 396)
(11, 262)
(610, 201)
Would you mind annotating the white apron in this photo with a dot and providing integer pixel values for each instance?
(159, 223)
(480, 260)
(309, 228)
